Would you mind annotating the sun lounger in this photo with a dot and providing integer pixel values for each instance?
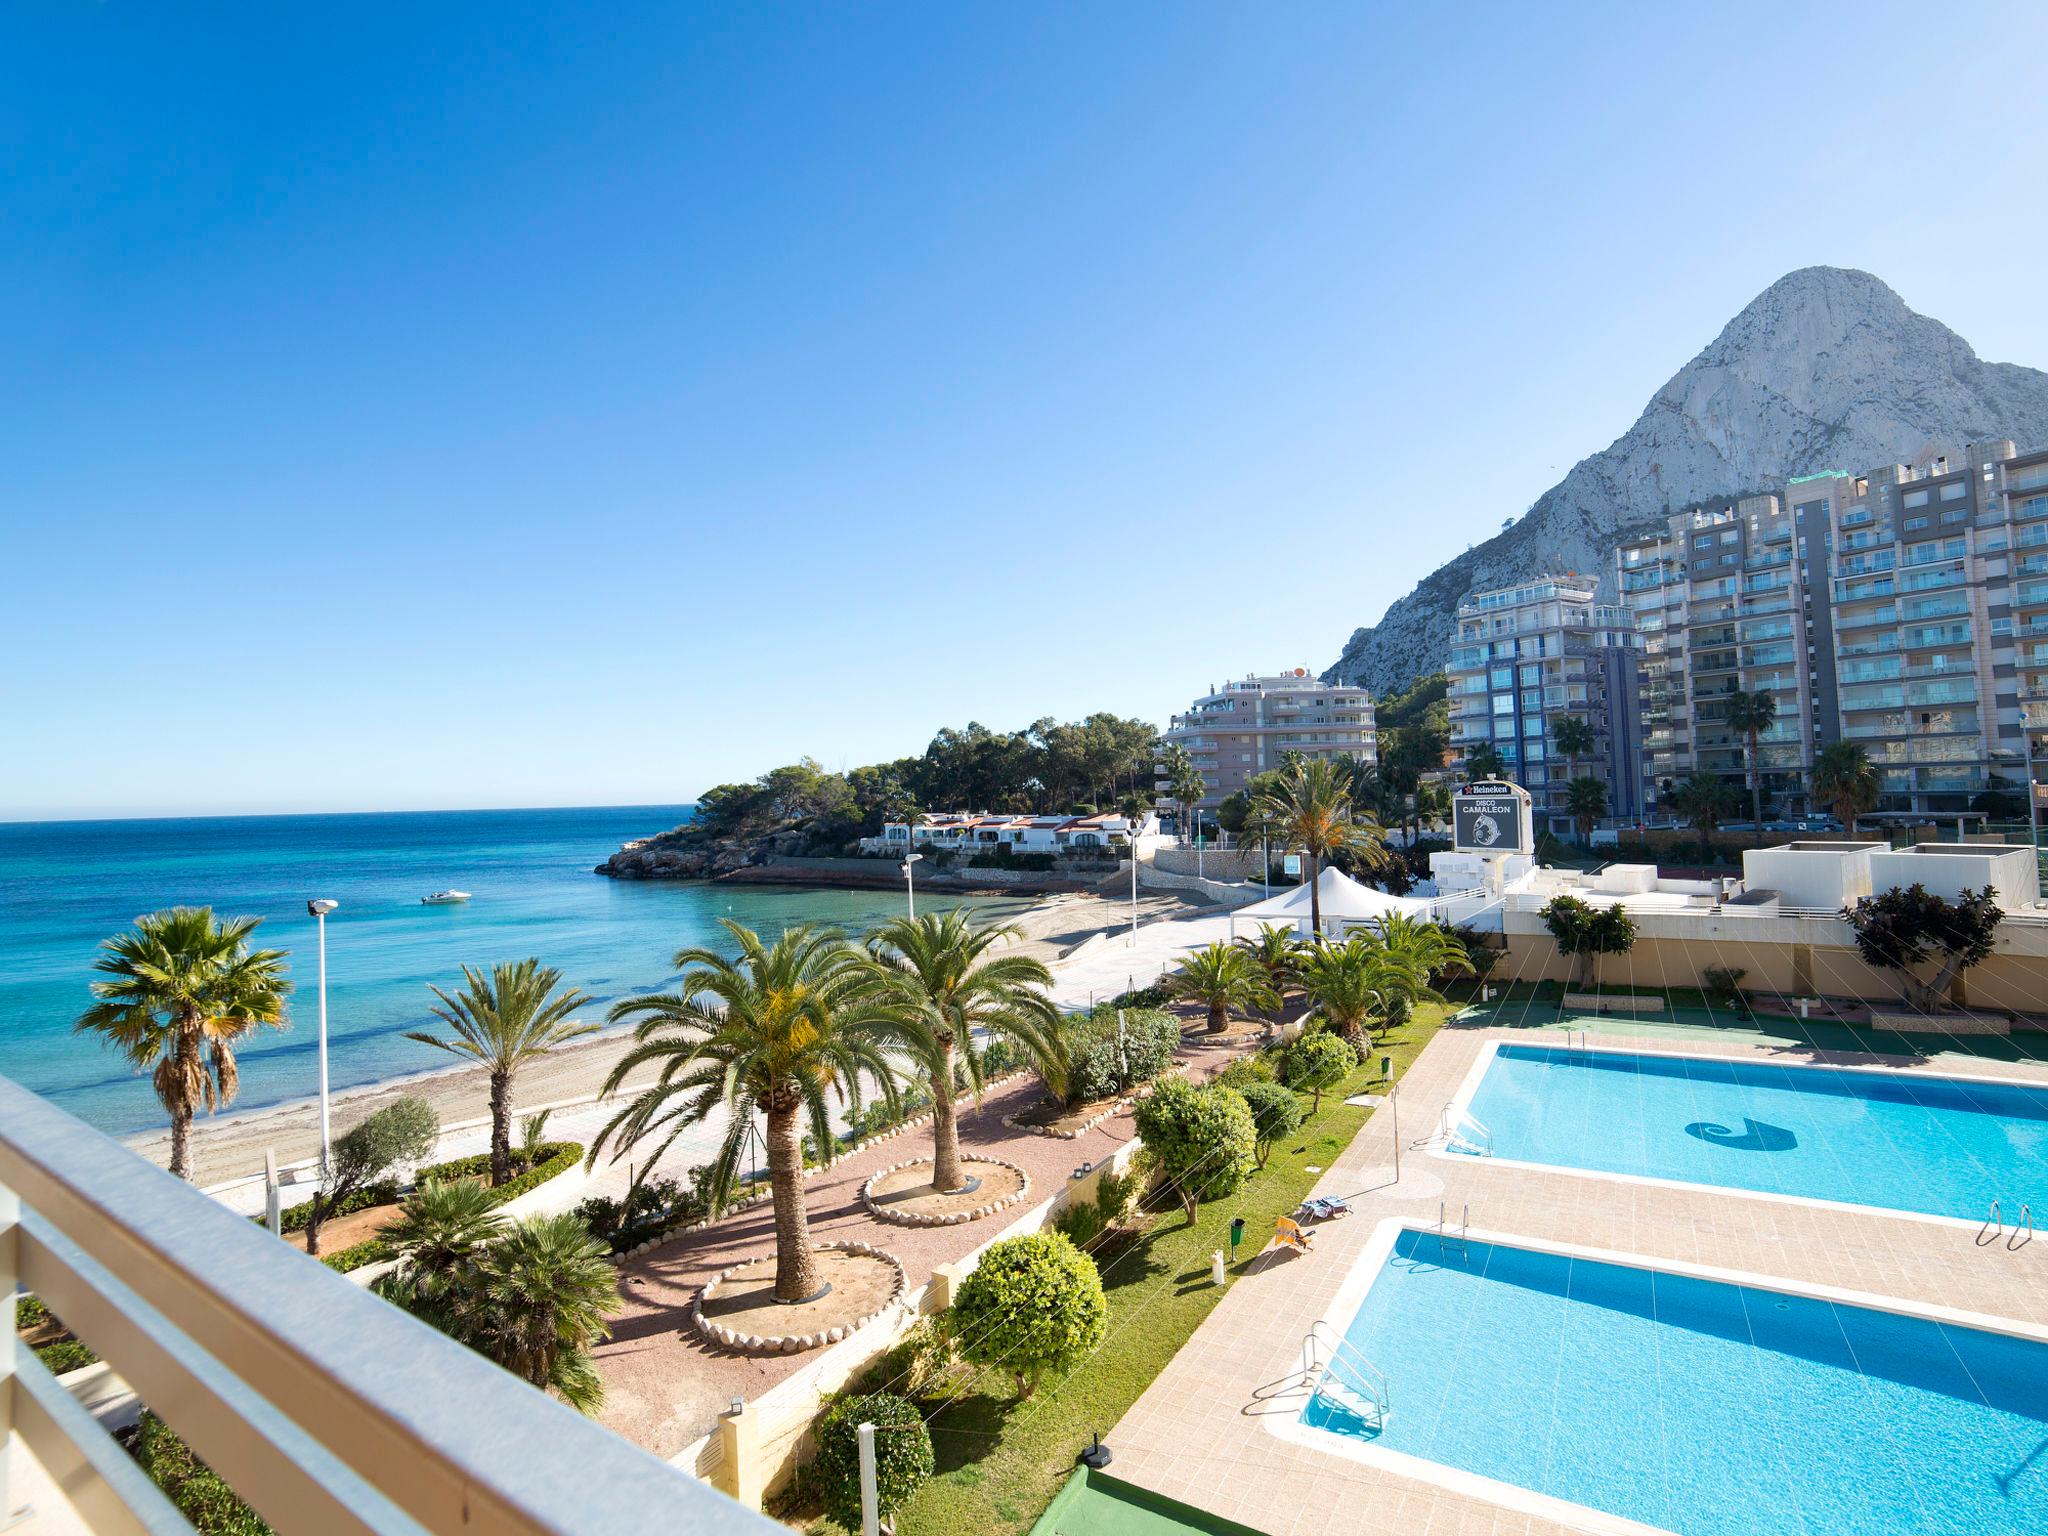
(1322, 1208)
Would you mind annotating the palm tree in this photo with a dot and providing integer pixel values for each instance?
(941, 987)
(440, 1233)
(505, 1022)
(1574, 738)
(1423, 946)
(1704, 800)
(1312, 807)
(777, 1031)
(535, 1301)
(182, 988)
(1485, 762)
(1847, 780)
(1586, 798)
(1350, 983)
(1749, 715)
(1185, 786)
(1277, 953)
(1222, 977)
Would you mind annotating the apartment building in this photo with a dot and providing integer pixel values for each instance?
(1244, 728)
(1524, 657)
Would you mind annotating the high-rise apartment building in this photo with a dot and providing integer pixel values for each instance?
(1523, 658)
(1246, 727)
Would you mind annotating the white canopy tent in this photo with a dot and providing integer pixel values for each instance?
(1345, 902)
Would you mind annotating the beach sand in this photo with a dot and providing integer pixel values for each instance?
(231, 1146)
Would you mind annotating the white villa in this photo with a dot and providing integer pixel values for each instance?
(976, 831)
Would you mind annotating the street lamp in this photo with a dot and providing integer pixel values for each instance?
(909, 882)
(319, 910)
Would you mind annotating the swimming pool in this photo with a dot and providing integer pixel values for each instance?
(1694, 1404)
(1940, 1146)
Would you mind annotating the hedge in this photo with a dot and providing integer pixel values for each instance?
(383, 1192)
(1098, 1070)
(557, 1157)
(191, 1485)
(65, 1355)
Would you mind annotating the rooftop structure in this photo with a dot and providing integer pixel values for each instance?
(1019, 834)
(1245, 728)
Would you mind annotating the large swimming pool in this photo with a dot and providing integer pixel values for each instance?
(1698, 1406)
(1939, 1145)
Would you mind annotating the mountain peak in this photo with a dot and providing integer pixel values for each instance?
(1825, 369)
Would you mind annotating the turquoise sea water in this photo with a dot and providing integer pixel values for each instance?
(1943, 1146)
(1700, 1407)
(65, 886)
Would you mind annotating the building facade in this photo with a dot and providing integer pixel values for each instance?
(1525, 657)
(1246, 727)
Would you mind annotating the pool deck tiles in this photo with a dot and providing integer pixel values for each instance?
(1196, 1436)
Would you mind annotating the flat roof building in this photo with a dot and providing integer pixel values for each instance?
(1246, 727)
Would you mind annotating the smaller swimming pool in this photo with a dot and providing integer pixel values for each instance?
(1940, 1146)
(1691, 1404)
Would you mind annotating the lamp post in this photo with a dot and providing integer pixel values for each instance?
(1134, 883)
(909, 881)
(320, 909)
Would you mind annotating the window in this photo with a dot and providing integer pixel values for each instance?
(1532, 725)
(1532, 699)
(1531, 674)
(1915, 499)
(1503, 703)
(1731, 535)
(1955, 492)
(1704, 541)
(1503, 677)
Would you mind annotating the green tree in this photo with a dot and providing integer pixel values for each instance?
(1585, 933)
(777, 1032)
(903, 1455)
(1354, 984)
(504, 1021)
(941, 989)
(1221, 977)
(1422, 953)
(1903, 929)
(402, 1132)
(1318, 1060)
(1704, 800)
(1846, 780)
(1185, 785)
(1201, 1139)
(1034, 1303)
(1312, 809)
(181, 991)
(1573, 737)
(1749, 715)
(1586, 798)
(442, 1230)
(1276, 951)
(1276, 1114)
(536, 1300)
(1485, 762)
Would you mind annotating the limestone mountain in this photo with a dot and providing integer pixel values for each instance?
(1826, 369)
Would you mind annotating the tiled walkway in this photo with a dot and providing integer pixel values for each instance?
(1196, 1434)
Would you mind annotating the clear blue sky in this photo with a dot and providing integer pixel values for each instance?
(424, 406)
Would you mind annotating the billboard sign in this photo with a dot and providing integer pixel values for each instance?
(1492, 816)
(1291, 864)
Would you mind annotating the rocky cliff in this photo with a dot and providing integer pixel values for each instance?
(1826, 369)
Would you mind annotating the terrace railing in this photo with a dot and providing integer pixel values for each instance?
(324, 1407)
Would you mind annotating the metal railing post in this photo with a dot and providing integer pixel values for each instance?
(10, 1343)
(870, 1516)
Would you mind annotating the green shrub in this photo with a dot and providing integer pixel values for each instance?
(1103, 1068)
(1032, 1304)
(1080, 1223)
(1247, 1070)
(371, 1250)
(1201, 1139)
(1316, 1061)
(1039, 863)
(192, 1486)
(1143, 997)
(1723, 985)
(383, 1192)
(903, 1455)
(914, 1363)
(29, 1312)
(65, 1355)
(1276, 1113)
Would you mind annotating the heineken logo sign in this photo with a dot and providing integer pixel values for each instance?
(1491, 816)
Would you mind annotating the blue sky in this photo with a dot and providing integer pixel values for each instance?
(512, 405)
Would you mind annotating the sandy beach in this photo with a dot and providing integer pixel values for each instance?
(232, 1145)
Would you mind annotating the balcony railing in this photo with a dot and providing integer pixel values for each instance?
(324, 1407)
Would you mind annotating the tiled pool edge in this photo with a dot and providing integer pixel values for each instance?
(1372, 1260)
(1461, 1104)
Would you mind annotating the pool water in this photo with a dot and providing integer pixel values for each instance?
(1698, 1406)
(1937, 1145)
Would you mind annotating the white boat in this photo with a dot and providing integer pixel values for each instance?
(444, 898)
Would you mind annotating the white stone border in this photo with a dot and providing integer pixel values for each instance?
(793, 1343)
(896, 1218)
(1015, 1122)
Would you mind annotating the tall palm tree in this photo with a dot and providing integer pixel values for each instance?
(940, 987)
(1749, 715)
(1312, 807)
(1352, 983)
(775, 1031)
(504, 1022)
(1845, 777)
(1704, 800)
(535, 1300)
(1485, 762)
(1573, 735)
(1222, 977)
(182, 988)
(1586, 799)
(1185, 785)
(1426, 947)
(1277, 953)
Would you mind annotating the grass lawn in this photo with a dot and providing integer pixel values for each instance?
(1000, 1462)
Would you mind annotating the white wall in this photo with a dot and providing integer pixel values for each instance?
(1950, 869)
(1828, 877)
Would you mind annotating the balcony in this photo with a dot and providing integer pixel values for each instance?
(324, 1407)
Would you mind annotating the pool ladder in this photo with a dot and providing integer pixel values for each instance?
(1336, 1368)
(1994, 1228)
(1445, 1236)
(1463, 1128)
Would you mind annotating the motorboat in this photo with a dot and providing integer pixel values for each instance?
(444, 898)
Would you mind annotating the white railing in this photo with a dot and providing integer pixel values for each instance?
(324, 1407)
(1325, 1355)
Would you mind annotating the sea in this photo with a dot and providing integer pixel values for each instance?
(66, 886)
